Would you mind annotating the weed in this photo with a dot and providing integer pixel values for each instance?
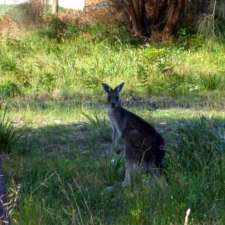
(88, 55)
(212, 82)
(99, 125)
(220, 28)
(81, 182)
(56, 28)
(9, 89)
(59, 30)
(66, 177)
(7, 63)
(47, 81)
(23, 78)
(8, 135)
(203, 141)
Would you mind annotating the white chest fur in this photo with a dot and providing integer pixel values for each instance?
(113, 121)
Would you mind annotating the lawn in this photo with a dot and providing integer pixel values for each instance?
(60, 170)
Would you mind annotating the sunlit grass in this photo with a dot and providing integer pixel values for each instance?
(76, 66)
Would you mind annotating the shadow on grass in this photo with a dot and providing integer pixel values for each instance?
(77, 182)
(75, 174)
(94, 135)
(65, 137)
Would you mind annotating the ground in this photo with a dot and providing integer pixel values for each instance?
(65, 170)
(60, 170)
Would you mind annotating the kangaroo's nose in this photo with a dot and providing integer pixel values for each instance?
(118, 151)
(113, 105)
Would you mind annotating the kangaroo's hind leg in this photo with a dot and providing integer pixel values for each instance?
(128, 174)
(129, 166)
(155, 168)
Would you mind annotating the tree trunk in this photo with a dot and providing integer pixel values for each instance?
(55, 6)
(158, 19)
(175, 11)
(135, 10)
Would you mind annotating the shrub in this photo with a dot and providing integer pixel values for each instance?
(212, 82)
(197, 167)
(7, 63)
(59, 30)
(56, 29)
(9, 89)
(8, 136)
(220, 28)
(47, 81)
(200, 144)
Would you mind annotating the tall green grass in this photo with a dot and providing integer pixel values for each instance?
(65, 60)
(67, 176)
(82, 186)
(8, 135)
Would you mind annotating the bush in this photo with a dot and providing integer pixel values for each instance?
(56, 28)
(197, 167)
(9, 89)
(200, 145)
(220, 27)
(47, 81)
(8, 136)
(7, 63)
(212, 82)
(59, 30)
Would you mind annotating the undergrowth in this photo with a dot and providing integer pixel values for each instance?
(84, 186)
(8, 134)
(66, 61)
(67, 176)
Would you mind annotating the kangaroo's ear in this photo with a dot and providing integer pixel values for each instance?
(119, 88)
(106, 88)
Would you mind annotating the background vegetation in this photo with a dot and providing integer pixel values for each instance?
(57, 134)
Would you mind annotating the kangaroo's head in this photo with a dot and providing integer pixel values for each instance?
(113, 98)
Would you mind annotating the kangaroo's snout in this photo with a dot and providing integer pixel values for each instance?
(118, 151)
(113, 100)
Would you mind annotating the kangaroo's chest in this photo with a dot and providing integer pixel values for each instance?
(114, 121)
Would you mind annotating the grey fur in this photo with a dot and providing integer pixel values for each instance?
(143, 144)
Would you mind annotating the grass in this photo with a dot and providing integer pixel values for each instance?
(60, 171)
(8, 136)
(73, 61)
(5, 9)
(64, 171)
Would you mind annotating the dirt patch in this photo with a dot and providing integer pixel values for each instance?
(22, 17)
(26, 16)
(8, 25)
(91, 14)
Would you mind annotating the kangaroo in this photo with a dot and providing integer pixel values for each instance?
(143, 144)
